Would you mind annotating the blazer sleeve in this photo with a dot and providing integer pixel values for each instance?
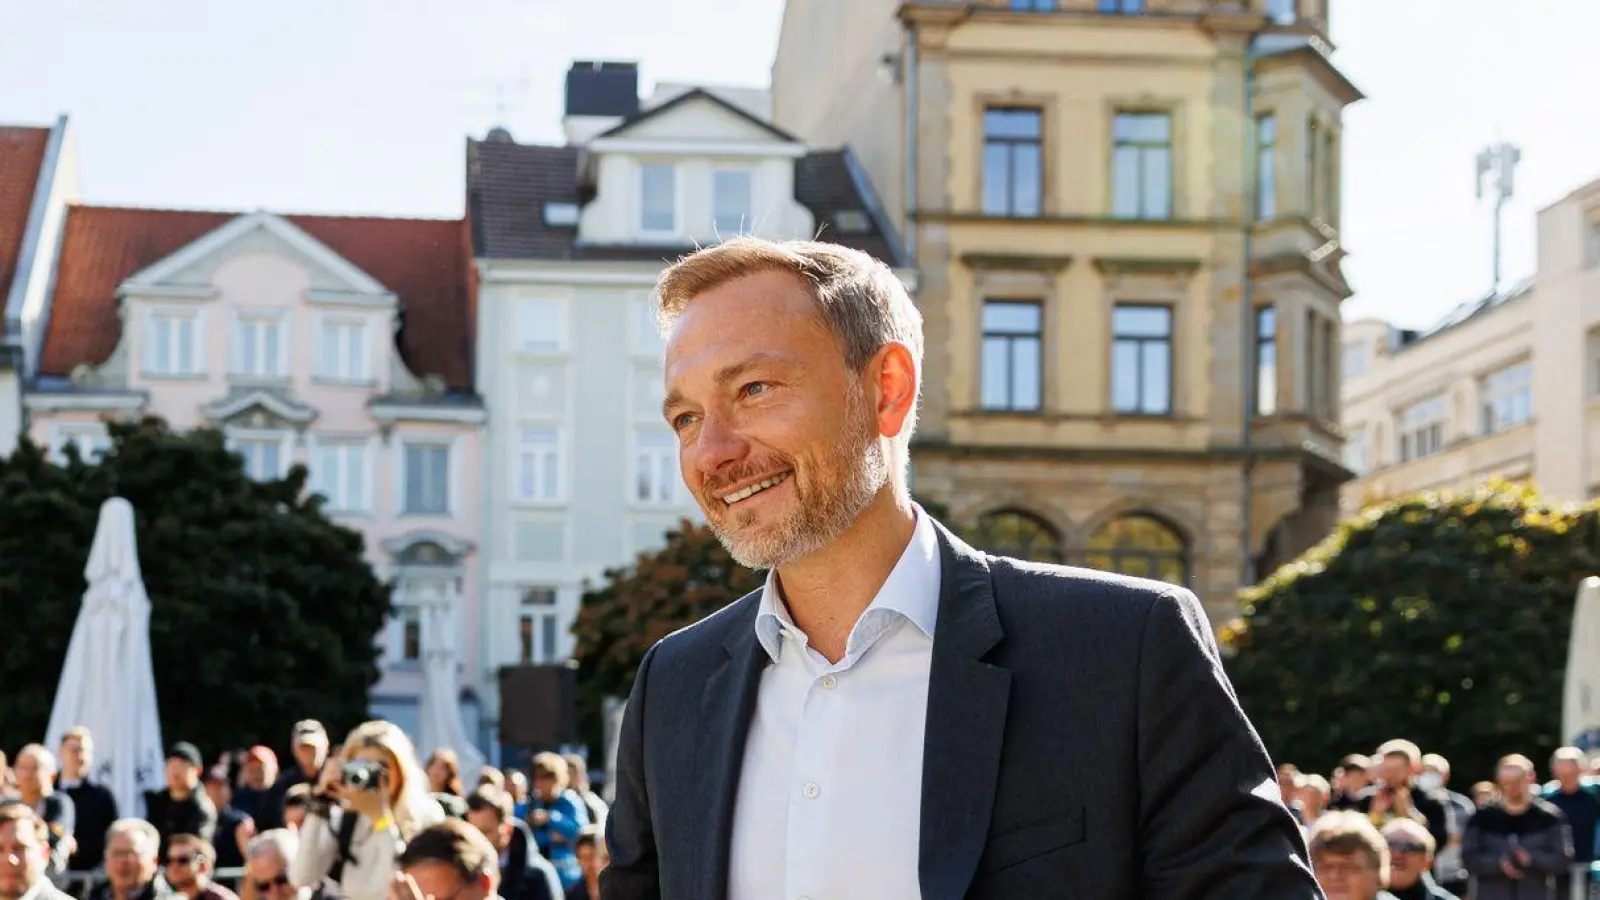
(1212, 823)
(633, 873)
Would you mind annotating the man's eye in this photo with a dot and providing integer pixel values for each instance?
(755, 388)
(682, 420)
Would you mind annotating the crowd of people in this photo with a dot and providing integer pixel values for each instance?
(1390, 827)
(338, 821)
(342, 821)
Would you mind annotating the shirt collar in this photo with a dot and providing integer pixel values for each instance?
(911, 591)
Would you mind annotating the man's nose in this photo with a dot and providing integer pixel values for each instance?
(717, 445)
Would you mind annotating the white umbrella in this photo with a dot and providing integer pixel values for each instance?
(1580, 712)
(441, 726)
(108, 684)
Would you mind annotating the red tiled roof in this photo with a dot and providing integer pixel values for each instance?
(427, 263)
(21, 155)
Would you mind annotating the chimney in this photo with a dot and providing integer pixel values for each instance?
(599, 95)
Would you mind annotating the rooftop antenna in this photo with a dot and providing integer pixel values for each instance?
(1499, 162)
(508, 93)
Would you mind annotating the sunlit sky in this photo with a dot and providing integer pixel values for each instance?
(363, 106)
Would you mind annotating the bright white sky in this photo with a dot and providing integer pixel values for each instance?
(362, 106)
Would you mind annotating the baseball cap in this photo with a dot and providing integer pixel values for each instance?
(187, 752)
(309, 731)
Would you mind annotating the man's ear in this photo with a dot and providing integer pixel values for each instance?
(894, 374)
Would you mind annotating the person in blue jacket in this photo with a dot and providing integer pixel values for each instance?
(556, 814)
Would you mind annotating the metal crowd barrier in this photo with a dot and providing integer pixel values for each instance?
(1584, 884)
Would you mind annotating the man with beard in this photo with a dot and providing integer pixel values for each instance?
(896, 714)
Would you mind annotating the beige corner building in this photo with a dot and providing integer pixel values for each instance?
(1507, 385)
(1089, 182)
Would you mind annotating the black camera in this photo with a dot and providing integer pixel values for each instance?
(364, 775)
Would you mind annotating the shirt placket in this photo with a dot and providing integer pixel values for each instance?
(814, 785)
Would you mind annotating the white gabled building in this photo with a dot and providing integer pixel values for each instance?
(580, 472)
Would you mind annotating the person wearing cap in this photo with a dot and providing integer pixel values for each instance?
(1411, 850)
(183, 808)
(309, 742)
(259, 770)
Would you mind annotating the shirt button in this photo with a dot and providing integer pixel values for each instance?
(829, 682)
(811, 790)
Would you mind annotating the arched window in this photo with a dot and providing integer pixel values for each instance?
(1139, 545)
(1018, 535)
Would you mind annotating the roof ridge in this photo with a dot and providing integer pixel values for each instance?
(356, 217)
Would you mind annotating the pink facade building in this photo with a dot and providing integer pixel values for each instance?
(344, 344)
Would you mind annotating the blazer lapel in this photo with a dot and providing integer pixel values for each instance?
(965, 726)
(725, 711)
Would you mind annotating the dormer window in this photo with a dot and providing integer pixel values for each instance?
(658, 198)
(731, 201)
(561, 215)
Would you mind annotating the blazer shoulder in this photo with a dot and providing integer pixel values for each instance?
(711, 632)
(1073, 592)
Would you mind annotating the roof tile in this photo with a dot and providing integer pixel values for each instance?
(427, 263)
(21, 154)
(509, 184)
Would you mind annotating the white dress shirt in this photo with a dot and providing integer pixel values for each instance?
(829, 804)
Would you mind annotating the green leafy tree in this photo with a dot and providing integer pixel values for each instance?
(263, 611)
(1442, 619)
(687, 579)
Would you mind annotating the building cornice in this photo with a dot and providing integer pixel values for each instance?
(1027, 262)
(696, 149)
(391, 412)
(74, 401)
(1307, 454)
(288, 410)
(186, 292)
(1328, 277)
(962, 217)
(1139, 265)
(628, 273)
(326, 297)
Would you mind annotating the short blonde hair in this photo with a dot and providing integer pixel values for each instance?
(553, 766)
(859, 298)
(41, 756)
(1348, 832)
(408, 783)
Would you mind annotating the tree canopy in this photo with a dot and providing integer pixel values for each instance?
(690, 577)
(263, 610)
(1443, 619)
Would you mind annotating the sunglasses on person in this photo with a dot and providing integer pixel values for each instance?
(264, 886)
(184, 859)
(1406, 847)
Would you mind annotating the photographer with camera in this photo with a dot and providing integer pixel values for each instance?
(368, 801)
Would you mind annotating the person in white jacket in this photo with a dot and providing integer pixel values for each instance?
(377, 779)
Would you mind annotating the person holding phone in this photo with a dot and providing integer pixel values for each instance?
(368, 801)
